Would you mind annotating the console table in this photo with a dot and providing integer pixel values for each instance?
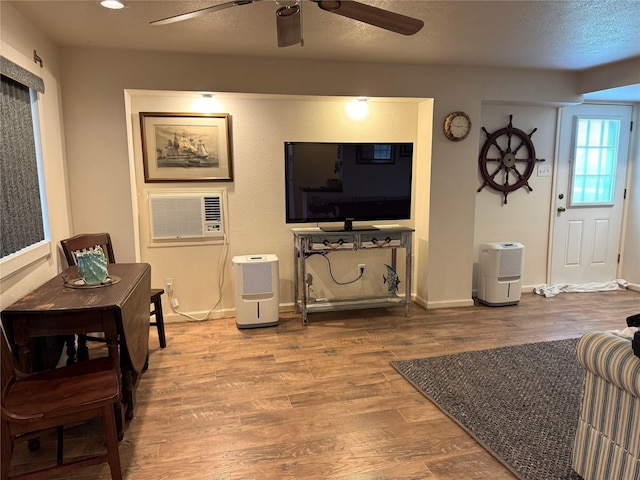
(310, 241)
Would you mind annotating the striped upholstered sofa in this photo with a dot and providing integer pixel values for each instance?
(607, 442)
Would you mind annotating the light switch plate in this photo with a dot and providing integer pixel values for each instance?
(544, 170)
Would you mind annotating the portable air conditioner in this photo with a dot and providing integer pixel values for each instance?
(499, 273)
(257, 299)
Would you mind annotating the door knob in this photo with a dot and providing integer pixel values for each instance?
(561, 209)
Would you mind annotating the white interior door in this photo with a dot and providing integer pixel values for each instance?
(589, 197)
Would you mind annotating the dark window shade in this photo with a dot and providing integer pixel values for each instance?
(20, 75)
(21, 221)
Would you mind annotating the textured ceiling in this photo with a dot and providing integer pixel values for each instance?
(559, 35)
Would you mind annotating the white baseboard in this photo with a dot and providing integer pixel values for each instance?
(172, 317)
(634, 287)
(465, 302)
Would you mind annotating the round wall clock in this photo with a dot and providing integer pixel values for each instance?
(457, 126)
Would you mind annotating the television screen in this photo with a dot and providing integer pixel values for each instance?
(346, 182)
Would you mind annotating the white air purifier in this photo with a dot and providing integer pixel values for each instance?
(257, 298)
(499, 273)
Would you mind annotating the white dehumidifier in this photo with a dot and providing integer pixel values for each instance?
(257, 299)
(499, 273)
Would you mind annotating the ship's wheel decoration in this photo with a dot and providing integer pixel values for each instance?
(507, 159)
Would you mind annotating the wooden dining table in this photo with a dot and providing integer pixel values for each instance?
(63, 306)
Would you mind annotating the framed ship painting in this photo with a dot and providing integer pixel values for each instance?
(186, 147)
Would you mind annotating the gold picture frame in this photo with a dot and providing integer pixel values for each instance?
(186, 147)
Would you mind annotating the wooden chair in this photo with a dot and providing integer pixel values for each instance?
(88, 240)
(54, 398)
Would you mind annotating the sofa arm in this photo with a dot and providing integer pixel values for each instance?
(611, 357)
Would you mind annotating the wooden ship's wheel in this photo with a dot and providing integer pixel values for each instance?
(507, 159)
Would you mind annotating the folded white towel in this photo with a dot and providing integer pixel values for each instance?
(553, 290)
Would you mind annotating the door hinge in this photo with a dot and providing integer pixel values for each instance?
(618, 258)
(631, 126)
(624, 195)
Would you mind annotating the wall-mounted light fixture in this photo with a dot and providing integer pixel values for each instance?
(358, 108)
(112, 4)
(206, 103)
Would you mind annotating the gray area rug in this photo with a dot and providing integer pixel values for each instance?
(521, 403)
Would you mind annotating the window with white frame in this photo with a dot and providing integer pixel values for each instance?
(23, 226)
(595, 155)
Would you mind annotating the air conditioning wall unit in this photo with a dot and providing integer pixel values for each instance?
(500, 273)
(174, 216)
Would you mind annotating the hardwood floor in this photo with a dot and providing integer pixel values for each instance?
(321, 401)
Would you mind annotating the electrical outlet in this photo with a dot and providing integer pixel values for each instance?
(361, 268)
(168, 283)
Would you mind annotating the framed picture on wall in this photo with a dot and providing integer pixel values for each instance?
(186, 147)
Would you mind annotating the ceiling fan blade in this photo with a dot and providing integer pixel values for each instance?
(373, 16)
(289, 25)
(202, 11)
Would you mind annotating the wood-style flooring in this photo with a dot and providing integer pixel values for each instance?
(321, 401)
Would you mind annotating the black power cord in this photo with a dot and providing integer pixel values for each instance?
(326, 257)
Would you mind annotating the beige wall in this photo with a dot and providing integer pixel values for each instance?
(619, 74)
(260, 124)
(525, 217)
(19, 40)
(96, 131)
(95, 114)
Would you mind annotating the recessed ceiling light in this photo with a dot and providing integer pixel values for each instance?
(112, 4)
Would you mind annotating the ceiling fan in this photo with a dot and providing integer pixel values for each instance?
(289, 23)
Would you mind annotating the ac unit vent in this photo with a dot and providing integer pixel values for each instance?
(212, 209)
(186, 216)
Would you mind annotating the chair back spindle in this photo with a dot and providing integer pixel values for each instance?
(85, 241)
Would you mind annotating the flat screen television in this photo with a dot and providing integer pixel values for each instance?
(347, 182)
